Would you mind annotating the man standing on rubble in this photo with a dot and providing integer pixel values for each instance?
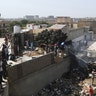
(93, 75)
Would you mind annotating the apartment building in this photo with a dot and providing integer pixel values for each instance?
(62, 19)
(90, 23)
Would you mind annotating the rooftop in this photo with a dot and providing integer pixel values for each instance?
(57, 26)
(36, 31)
(92, 46)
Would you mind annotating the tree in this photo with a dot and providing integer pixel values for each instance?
(24, 22)
(50, 37)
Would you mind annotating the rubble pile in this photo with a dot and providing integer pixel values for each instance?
(60, 87)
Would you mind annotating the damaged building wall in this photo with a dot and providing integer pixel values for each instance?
(31, 83)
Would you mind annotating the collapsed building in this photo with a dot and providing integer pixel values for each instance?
(83, 49)
(31, 75)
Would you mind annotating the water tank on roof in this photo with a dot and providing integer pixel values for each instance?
(17, 29)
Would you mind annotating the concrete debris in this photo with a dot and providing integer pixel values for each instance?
(60, 87)
(65, 87)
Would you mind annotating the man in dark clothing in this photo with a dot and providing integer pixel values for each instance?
(4, 63)
(5, 52)
(93, 75)
(1, 70)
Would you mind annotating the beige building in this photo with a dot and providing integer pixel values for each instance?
(90, 23)
(64, 20)
(83, 23)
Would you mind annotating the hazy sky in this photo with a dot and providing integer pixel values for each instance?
(72, 8)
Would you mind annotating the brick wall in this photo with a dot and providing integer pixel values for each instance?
(18, 71)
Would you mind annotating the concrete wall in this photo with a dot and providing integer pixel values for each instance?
(75, 33)
(28, 67)
(31, 83)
